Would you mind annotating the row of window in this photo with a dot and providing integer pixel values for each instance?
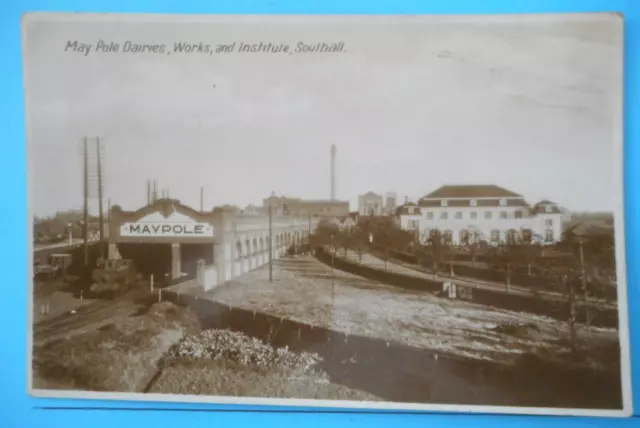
(547, 208)
(511, 236)
(472, 203)
(488, 215)
(473, 215)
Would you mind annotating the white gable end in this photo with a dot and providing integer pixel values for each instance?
(175, 217)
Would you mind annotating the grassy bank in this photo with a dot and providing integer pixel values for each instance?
(119, 357)
(162, 350)
(225, 363)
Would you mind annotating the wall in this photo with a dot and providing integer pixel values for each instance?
(210, 278)
(370, 203)
(351, 360)
(482, 225)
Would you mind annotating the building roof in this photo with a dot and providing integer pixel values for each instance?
(472, 191)
(405, 208)
(371, 195)
(546, 207)
(479, 203)
(322, 201)
(546, 202)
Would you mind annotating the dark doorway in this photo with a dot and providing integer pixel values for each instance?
(148, 258)
(156, 259)
(191, 253)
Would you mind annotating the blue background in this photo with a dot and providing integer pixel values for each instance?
(18, 409)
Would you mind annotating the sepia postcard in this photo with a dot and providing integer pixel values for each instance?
(366, 212)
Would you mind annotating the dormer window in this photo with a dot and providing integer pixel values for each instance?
(473, 202)
(444, 203)
(503, 202)
(548, 209)
(411, 210)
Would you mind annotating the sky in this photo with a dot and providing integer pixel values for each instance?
(412, 104)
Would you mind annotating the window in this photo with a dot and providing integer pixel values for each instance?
(448, 236)
(458, 215)
(548, 235)
(548, 209)
(511, 237)
(473, 202)
(413, 224)
(430, 215)
(495, 235)
(239, 249)
(464, 237)
(444, 203)
(548, 222)
(487, 215)
(473, 215)
(527, 235)
(443, 215)
(411, 210)
(518, 214)
(503, 214)
(503, 202)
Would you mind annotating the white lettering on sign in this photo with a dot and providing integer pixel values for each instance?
(166, 230)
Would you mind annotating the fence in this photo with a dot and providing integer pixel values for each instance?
(534, 281)
(554, 308)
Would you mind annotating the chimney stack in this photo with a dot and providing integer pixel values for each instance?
(334, 151)
(155, 192)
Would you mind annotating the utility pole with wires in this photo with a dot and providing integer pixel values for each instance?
(85, 223)
(100, 208)
(583, 278)
(270, 246)
(201, 199)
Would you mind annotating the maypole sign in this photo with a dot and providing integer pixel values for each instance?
(167, 229)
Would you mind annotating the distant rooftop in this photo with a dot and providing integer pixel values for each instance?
(472, 191)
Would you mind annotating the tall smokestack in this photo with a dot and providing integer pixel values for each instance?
(334, 151)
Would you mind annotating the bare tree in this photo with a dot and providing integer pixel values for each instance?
(504, 256)
(440, 251)
(360, 242)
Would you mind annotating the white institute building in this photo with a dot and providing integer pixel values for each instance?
(468, 213)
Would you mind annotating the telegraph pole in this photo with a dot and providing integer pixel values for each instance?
(270, 247)
(148, 192)
(584, 283)
(101, 217)
(85, 229)
(201, 199)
